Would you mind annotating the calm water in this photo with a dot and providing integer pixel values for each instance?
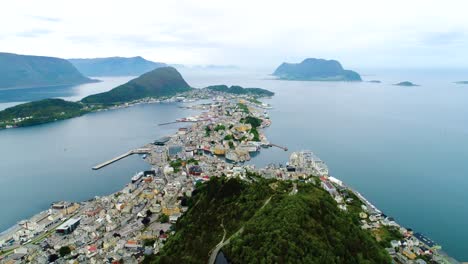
(11, 97)
(404, 148)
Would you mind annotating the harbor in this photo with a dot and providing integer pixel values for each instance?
(129, 153)
(232, 130)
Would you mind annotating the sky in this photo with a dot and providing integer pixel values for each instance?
(367, 33)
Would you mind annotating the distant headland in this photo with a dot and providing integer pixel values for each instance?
(21, 71)
(315, 70)
(405, 83)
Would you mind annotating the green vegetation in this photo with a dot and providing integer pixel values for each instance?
(254, 100)
(163, 218)
(219, 127)
(253, 121)
(207, 131)
(161, 82)
(228, 137)
(32, 71)
(316, 70)
(148, 242)
(385, 234)
(243, 108)
(65, 250)
(39, 112)
(240, 90)
(176, 164)
(231, 145)
(268, 225)
(254, 132)
(192, 161)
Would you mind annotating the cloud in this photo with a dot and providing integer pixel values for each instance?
(243, 32)
(34, 33)
(47, 19)
(444, 38)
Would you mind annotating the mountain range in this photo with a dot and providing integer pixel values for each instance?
(18, 71)
(115, 66)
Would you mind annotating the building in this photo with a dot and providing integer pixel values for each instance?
(69, 226)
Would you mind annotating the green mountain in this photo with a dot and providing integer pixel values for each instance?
(161, 82)
(240, 90)
(265, 221)
(39, 112)
(31, 71)
(115, 66)
(315, 70)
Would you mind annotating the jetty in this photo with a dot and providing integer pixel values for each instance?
(278, 146)
(126, 154)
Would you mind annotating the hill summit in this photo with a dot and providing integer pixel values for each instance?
(161, 82)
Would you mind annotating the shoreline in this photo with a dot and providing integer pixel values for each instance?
(157, 162)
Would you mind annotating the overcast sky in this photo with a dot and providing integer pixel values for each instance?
(368, 33)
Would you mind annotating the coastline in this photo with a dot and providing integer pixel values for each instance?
(152, 162)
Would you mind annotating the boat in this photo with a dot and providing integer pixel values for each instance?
(137, 176)
(144, 156)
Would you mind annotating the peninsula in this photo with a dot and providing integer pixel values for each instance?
(20, 71)
(199, 202)
(159, 85)
(315, 70)
(115, 66)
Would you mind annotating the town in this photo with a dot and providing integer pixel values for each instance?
(137, 220)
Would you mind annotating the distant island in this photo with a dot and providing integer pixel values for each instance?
(19, 71)
(240, 90)
(160, 82)
(375, 81)
(405, 83)
(315, 70)
(462, 82)
(115, 66)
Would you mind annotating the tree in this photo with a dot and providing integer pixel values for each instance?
(163, 218)
(65, 250)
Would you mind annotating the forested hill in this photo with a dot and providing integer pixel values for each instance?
(161, 82)
(266, 223)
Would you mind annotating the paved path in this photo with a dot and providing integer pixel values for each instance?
(222, 243)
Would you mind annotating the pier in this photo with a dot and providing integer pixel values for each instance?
(126, 154)
(168, 123)
(278, 146)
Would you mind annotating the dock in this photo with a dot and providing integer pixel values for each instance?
(126, 154)
(278, 146)
(168, 123)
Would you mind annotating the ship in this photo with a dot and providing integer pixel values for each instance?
(137, 176)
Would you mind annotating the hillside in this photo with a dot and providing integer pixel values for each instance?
(32, 71)
(39, 112)
(315, 70)
(265, 224)
(115, 66)
(161, 82)
(240, 90)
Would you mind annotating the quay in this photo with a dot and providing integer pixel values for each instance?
(278, 146)
(168, 123)
(126, 154)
